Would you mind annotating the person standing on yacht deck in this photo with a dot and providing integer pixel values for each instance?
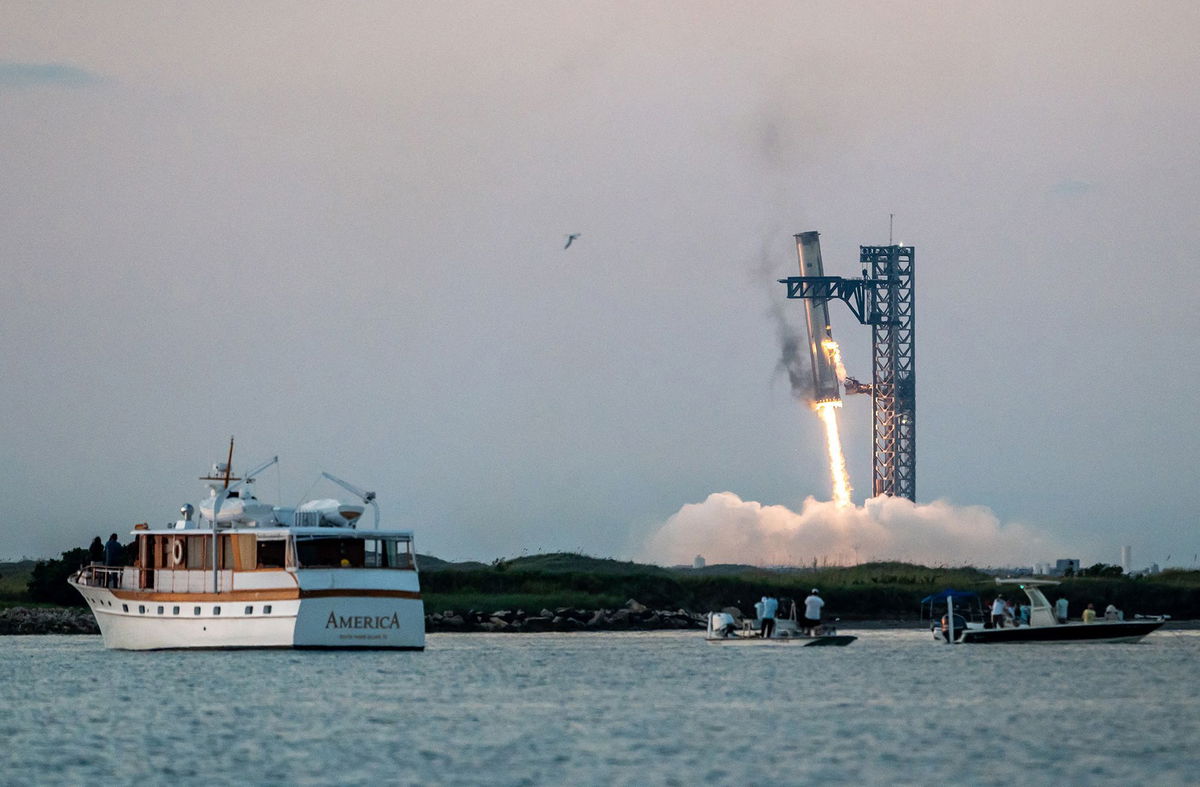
(998, 612)
(812, 611)
(113, 554)
(96, 551)
(770, 607)
(1060, 609)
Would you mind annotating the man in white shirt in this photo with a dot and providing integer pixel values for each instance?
(812, 611)
(998, 612)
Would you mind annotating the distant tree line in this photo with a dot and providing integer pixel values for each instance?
(880, 591)
(869, 591)
(1096, 570)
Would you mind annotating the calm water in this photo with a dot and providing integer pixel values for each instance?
(642, 708)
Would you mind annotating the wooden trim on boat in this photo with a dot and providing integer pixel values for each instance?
(266, 594)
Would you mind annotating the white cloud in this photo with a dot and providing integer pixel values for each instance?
(726, 529)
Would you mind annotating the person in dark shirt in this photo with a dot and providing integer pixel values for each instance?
(96, 551)
(113, 554)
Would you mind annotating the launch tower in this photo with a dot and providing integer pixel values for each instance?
(883, 299)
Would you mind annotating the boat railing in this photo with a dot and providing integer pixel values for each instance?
(182, 580)
(115, 577)
(160, 580)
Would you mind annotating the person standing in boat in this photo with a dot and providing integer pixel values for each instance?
(770, 605)
(813, 605)
(113, 555)
(1060, 609)
(998, 612)
(1089, 614)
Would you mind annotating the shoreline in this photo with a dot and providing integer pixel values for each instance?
(19, 621)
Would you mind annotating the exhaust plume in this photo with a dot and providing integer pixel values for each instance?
(793, 358)
(726, 529)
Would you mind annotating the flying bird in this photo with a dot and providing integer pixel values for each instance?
(570, 238)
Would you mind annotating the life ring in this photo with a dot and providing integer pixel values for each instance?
(177, 552)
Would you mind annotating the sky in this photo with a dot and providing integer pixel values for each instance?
(335, 232)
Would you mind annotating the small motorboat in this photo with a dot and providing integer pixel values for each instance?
(723, 629)
(1042, 625)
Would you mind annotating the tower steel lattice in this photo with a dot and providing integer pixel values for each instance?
(883, 299)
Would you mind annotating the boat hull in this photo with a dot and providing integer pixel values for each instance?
(336, 618)
(1119, 631)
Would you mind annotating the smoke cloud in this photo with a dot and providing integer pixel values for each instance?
(793, 356)
(726, 529)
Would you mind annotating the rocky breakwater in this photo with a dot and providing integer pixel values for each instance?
(47, 620)
(632, 617)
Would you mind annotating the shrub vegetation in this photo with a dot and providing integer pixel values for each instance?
(870, 591)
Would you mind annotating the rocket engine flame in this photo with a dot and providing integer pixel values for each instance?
(833, 442)
(835, 356)
(837, 460)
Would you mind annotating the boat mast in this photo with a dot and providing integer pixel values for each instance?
(228, 475)
(224, 493)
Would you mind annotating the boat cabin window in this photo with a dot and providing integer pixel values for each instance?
(318, 552)
(335, 552)
(272, 554)
(195, 553)
(399, 553)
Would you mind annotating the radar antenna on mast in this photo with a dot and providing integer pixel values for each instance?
(227, 470)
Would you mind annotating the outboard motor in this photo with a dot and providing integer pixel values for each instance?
(960, 625)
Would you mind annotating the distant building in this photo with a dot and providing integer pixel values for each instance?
(1063, 564)
(698, 562)
(1126, 559)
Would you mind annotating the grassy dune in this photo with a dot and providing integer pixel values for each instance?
(14, 583)
(865, 592)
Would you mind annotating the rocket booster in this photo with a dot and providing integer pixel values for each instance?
(826, 387)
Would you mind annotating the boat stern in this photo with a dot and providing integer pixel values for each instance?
(348, 610)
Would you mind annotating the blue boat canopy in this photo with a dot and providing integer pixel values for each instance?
(949, 593)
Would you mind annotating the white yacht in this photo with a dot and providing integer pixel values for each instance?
(303, 577)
